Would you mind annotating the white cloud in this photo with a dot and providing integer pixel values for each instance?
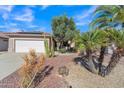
(6, 7)
(13, 24)
(13, 29)
(26, 15)
(2, 26)
(86, 13)
(82, 18)
(10, 28)
(5, 11)
(32, 26)
(81, 23)
(43, 7)
(41, 29)
(5, 15)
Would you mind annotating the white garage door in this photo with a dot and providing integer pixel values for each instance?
(26, 45)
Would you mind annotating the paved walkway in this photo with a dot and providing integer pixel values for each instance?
(9, 63)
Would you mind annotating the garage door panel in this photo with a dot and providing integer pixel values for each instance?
(26, 45)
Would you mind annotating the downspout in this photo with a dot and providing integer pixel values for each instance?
(52, 47)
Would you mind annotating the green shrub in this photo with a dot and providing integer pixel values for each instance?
(62, 50)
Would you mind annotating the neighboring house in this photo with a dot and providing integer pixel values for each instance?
(20, 42)
(3, 42)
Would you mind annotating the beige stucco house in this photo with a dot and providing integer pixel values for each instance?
(20, 42)
(3, 42)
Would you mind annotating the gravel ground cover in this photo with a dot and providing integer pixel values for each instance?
(51, 81)
(78, 76)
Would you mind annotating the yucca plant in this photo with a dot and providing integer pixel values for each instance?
(32, 65)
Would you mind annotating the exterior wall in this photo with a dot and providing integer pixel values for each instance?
(3, 44)
(12, 42)
(11, 45)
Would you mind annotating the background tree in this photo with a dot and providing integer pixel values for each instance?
(64, 30)
(79, 46)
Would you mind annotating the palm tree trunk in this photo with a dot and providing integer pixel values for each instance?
(101, 57)
(113, 62)
(90, 61)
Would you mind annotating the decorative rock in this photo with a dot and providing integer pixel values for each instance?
(64, 71)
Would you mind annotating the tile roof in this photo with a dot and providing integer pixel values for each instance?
(31, 34)
(3, 35)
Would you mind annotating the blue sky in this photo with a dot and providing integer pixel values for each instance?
(38, 18)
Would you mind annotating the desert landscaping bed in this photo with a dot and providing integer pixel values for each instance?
(78, 76)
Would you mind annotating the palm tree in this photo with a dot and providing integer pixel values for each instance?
(118, 14)
(103, 21)
(103, 18)
(107, 17)
(118, 40)
(92, 40)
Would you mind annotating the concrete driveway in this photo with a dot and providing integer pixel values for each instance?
(9, 63)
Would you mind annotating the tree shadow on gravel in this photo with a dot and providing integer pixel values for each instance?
(80, 61)
(83, 62)
(42, 74)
